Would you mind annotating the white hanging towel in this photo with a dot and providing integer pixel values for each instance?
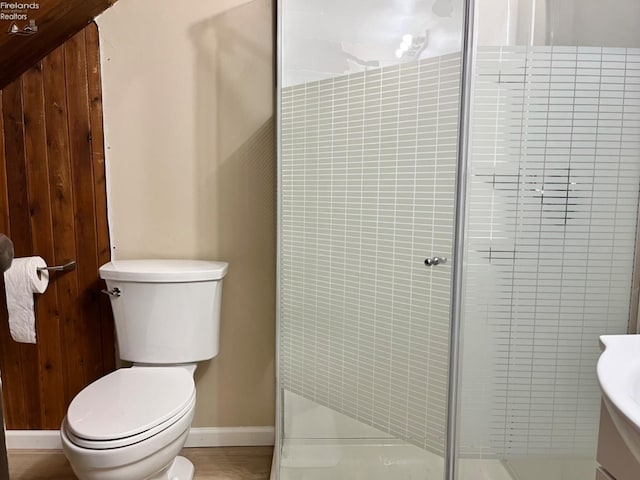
(21, 281)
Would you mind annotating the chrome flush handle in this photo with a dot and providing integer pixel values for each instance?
(429, 262)
(114, 292)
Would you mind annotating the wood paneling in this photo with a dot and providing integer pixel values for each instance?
(57, 20)
(53, 204)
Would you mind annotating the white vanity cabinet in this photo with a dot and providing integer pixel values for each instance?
(615, 459)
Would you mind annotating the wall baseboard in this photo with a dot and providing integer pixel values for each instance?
(198, 437)
(230, 437)
(33, 440)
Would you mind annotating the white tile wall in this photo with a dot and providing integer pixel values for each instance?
(368, 175)
(368, 165)
(552, 225)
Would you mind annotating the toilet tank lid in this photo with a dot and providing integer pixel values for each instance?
(161, 271)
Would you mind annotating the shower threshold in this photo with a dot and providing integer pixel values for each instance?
(363, 459)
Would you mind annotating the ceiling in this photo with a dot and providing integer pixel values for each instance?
(36, 32)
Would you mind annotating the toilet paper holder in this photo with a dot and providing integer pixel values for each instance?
(70, 265)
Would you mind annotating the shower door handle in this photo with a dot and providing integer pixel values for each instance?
(429, 262)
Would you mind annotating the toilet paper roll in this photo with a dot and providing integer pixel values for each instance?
(21, 281)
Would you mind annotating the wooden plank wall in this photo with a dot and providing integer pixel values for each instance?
(53, 204)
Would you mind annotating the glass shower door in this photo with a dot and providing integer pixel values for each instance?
(368, 103)
(553, 206)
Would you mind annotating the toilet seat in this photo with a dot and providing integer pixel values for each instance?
(128, 406)
(126, 441)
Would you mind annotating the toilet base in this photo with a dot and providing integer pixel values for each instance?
(180, 469)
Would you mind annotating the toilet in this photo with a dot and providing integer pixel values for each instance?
(132, 423)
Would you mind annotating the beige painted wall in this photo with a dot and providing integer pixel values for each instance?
(188, 107)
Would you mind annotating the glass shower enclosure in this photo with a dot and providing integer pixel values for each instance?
(458, 200)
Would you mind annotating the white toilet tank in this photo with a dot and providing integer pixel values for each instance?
(165, 311)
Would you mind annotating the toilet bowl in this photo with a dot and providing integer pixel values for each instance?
(132, 423)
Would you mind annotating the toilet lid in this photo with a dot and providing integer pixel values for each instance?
(129, 401)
